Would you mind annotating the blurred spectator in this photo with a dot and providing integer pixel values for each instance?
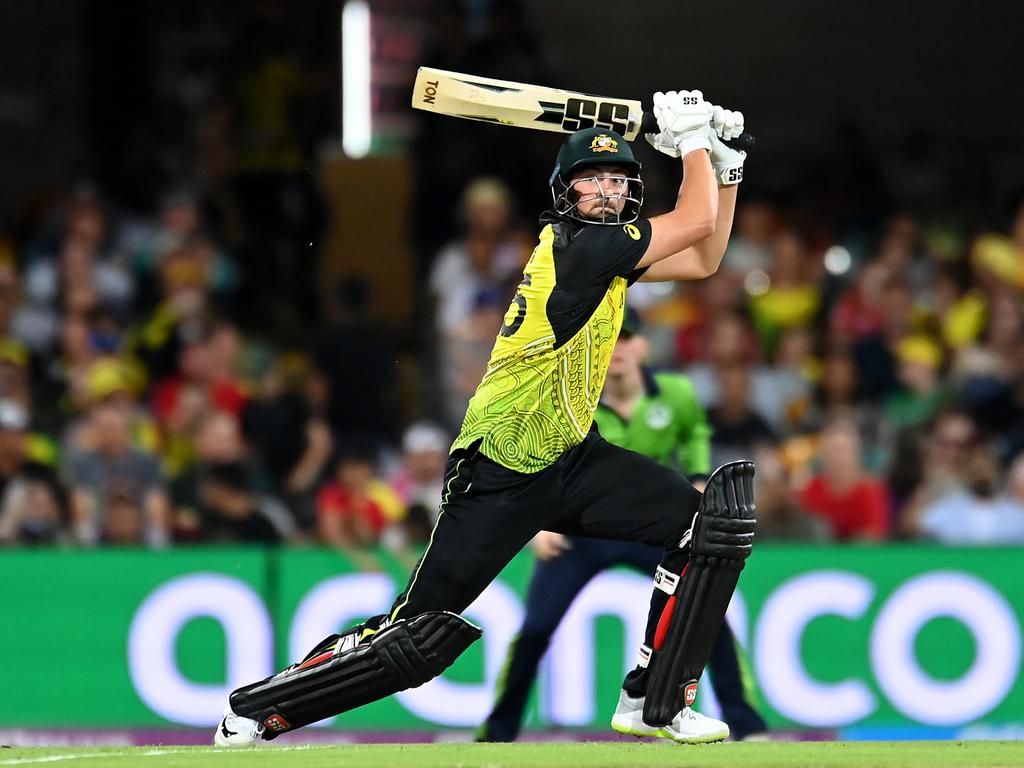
(232, 511)
(751, 240)
(108, 466)
(982, 372)
(124, 525)
(858, 313)
(779, 514)
(974, 512)
(843, 493)
(729, 341)
(216, 440)
(1002, 256)
(115, 382)
(473, 272)
(838, 394)
(737, 429)
(289, 432)
(906, 477)
(709, 330)
(180, 225)
(791, 300)
(782, 390)
(921, 395)
(209, 361)
(75, 282)
(469, 346)
(958, 308)
(31, 504)
(946, 450)
(419, 482)
(19, 322)
(15, 380)
(359, 365)
(877, 356)
(179, 319)
(355, 507)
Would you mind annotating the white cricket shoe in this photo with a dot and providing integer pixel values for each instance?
(237, 731)
(688, 727)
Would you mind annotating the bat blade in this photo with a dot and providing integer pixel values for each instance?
(521, 105)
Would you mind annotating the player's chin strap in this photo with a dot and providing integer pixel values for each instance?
(720, 540)
(343, 672)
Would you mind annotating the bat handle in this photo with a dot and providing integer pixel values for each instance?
(744, 141)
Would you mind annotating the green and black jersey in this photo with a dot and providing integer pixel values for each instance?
(548, 365)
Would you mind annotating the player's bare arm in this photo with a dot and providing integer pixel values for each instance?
(683, 120)
(704, 257)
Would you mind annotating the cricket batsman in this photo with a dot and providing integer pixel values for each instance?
(528, 459)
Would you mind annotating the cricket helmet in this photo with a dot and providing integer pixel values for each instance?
(594, 147)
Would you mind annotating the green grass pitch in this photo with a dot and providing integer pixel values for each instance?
(923, 754)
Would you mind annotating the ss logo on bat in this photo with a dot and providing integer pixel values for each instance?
(588, 113)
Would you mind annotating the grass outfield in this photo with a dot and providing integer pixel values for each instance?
(926, 754)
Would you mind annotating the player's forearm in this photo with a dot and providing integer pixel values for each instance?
(698, 193)
(711, 249)
(692, 219)
(704, 257)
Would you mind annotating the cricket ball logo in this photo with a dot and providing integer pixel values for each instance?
(604, 143)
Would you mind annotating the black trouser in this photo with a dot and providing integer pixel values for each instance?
(596, 489)
(553, 587)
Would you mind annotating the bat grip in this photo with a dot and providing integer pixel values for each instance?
(744, 141)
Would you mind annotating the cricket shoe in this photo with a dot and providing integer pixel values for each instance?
(237, 731)
(687, 727)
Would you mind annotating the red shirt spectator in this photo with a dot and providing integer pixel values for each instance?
(844, 494)
(356, 507)
(856, 512)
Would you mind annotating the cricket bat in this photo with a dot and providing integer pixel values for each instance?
(504, 102)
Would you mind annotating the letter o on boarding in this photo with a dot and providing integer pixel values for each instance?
(153, 637)
(987, 616)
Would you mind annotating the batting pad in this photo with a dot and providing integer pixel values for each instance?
(404, 655)
(722, 535)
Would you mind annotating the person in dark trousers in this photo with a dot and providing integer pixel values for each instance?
(658, 415)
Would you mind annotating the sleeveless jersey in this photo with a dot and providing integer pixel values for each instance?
(548, 364)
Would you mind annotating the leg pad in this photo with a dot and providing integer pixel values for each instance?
(720, 542)
(404, 655)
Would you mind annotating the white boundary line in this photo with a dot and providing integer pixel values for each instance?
(150, 753)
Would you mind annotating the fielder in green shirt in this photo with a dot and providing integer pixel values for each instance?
(658, 415)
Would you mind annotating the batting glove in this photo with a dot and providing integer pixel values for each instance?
(726, 161)
(683, 120)
(728, 124)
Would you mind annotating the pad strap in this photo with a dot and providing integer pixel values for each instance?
(666, 581)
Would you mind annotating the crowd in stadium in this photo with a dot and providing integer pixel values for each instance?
(868, 356)
(881, 393)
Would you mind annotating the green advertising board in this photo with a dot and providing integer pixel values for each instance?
(837, 637)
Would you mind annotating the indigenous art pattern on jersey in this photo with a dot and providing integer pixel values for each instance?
(548, 364)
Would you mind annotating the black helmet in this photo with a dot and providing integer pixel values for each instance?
(592, 147)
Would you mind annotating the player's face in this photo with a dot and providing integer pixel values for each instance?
(628, 355)
(601, 191)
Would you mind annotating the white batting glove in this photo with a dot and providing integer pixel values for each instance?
(728, 124)
(726, 161)
(683, 120)
(663, 143)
